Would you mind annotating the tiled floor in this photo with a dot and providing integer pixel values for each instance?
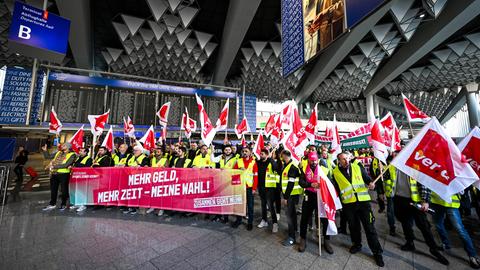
(32, 239)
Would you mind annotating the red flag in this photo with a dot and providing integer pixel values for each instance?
(414, 114)
(289, 142)
(222, 121)
(77, 140)
(470, 148)
(97, 122)
(244, 142)
(270, 125)
(392, 133)
(208, 131)
(286, 113)
(328, 201)
(328, 132)
(188, 124)
(336, 147)
(163, 114)
(378, 143)
(277, 132)
(242, 128)
(55, 124)
(433, 159)
(148, 139)
(301, 140)
(128, 127)
(108, 140)
(259, 145)
(311, 127)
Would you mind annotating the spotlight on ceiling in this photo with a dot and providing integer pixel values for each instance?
(422, 15)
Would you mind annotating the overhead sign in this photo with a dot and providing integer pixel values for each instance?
(64, 77)
(292, 36)
(250, 110)
(359, 9)
(38, 33)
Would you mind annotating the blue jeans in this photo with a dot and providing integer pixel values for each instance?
(390, 213)
(453, 215)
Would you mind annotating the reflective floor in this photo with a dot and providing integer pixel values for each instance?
(32, 239)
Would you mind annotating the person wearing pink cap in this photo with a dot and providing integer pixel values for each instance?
(309, 181)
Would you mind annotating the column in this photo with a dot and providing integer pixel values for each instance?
(472, 104)
(370, 108)
(376, 108)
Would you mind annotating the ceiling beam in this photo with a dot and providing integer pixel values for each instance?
(385, 103)
(329, 59)
(455, 106)
(429, 36)
(80, 38)
(239, 17)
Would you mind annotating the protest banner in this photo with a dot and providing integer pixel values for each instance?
(211, 191)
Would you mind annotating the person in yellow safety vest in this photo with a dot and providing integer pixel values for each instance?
(268, 177)
(181, 161)
(103, 158)
(411, 203)
(352, 183)
(121, 158)
(291, 191)
(375, 169)
(389, 180)
(450, 210)
(250, 178)
(327, 160)
(139, 159)
(159, 159)
(202, 160)
(59, 169)
(309, 180)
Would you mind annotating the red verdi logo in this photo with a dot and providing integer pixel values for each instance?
(432, 157)
(472, 154)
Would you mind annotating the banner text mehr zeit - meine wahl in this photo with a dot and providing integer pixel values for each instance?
(193, 190)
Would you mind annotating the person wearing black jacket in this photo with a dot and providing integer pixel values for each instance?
(20, 162)
(83, 159)
(103, 158)
(291, 191)
(267, 168)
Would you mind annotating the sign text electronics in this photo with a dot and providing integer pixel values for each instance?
(38, 33)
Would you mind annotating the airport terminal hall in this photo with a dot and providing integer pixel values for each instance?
(239, 134)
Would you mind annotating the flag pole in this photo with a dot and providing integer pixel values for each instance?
(319, 201)
(411, 129)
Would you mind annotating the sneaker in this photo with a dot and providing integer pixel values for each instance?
(81, 208)
(160, 213)
(62, 208)
(133, 212)
(379, 260)
(474, 263)
(263, 224)
(49, 207)
(439, 257)
(274, 228)
(150, 210)
(355, 248)
(249, 227)
(278, 217)
(409, 246)
(289, 242)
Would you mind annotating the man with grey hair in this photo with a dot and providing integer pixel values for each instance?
(59, 169)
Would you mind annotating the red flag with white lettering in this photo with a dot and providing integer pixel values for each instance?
(392, 133)
(311, 127)
(270, 125)
(259, 145)
(207, 130)
(148, 139)
(97, 122)
(128, 127)
(286, 113)
(378, 143)
(336, 147)
(108, 140)
(301, 140)
(77, 140)
(55, 124)
(470, 148)
(289, 143)
(163, 114)
(414, 114)
(222, 121)
(433, 159)
(242, 128)
(243, 141)
(328, 201)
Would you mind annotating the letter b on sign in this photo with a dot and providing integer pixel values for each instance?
(24, 32)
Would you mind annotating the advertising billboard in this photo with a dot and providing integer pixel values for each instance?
(38, 33)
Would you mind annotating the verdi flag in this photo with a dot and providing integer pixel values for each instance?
(77, 140)
(259, 145)
(335, 146)
(163, 114)
(270, 125)
(242, 128)
(55, 124)
(433, 159)
(128, 128)
(222, 121)
(148, 139)
(311, 127)
(378, 143)
(108, 140)
(207, 130)
(470, 148)
(328, 201)
(414, 114)
(97, 122)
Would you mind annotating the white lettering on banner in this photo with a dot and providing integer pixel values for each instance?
(24, 32)
(139, 179)
(195, 188)
(474, 164)
(107, 196)
(131, 194)
(165, 176)
(217, 201)
(427, 162)
(167, 190)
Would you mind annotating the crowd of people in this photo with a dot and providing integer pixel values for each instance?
(281, 182)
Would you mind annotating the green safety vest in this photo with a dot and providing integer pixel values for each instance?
(439, 201)
(351, 192)
(229, 164)
(84, 160)
(160, 162)
(375, 165)
(120, 161)
(136, 161)
(271, 177)
(247, 175)
(202, 162)
(389, 183)
(67, 157)
(297, 189)
(185, 164)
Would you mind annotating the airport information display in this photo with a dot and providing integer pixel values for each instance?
(309, 26)
(38, 33)
(250, 110)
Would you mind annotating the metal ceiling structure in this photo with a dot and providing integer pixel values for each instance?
(426, 49)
